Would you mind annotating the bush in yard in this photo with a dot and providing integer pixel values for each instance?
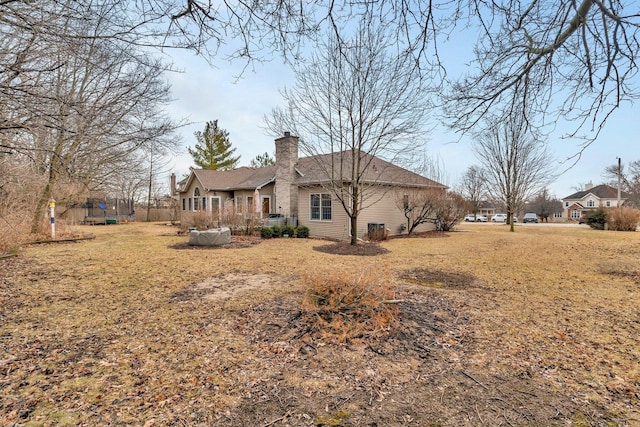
(288, 230)
(276, 230)
(266, 232)
(302, 231)
(596, 219)
(623, 219)
(345, 306)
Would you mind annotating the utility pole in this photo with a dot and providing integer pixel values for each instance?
(619, 178)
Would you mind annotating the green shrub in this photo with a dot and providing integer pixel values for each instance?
(623, 219)
(276, 230)
(266, 233)
(302, 231)
(288, 230)
(596, 219)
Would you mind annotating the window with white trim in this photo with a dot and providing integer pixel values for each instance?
(591, 203)
(575, 214)
(608, 203)
(320, 207)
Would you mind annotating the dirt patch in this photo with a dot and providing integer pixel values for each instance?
(224, 287)
(422, 234)
(300, 379)
(438, 278)
(237, 242)
(345, 248)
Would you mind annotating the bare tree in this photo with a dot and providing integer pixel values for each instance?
(436, 206)
(629, 175)
(98, 107)
(544, 205)
(419, 206)
(578, 55)
(473, 186)
(515, 161)
(569, 59)
(353, 101)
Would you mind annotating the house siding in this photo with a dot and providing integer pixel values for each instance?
(383, 211)
(387, 212)
(337, 228)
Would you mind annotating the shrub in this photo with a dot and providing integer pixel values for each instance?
(266, 232)
(623, 219)
(288, 230)
(201, 220)
(302, 231)
(276, 230)
(344, 307)
(596, 219)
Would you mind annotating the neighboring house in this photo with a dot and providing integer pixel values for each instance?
(295, 188)
(580, 203)
(487, 209)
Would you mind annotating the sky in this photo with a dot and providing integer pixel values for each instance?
(204, 93)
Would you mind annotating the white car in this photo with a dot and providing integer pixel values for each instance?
(475, 218)
(499, 218)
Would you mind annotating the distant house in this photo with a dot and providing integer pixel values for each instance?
(579, 204)
(295, 189)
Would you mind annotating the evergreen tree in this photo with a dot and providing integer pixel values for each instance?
(213, 150)
(262, 160)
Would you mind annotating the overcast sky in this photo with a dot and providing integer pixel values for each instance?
(203, 93)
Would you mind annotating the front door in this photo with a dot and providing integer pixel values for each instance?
(266, 208)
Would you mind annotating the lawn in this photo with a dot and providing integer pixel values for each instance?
(537, 327)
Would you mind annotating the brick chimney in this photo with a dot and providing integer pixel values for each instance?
(286, 191)
(172, 185)
(588, 186)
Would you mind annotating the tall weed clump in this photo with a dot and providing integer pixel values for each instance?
(343, 307)
(623, 219)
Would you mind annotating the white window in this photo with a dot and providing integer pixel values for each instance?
(575, 214)
(591, 203)
(608, 203)
(566, 204)
(321, 207)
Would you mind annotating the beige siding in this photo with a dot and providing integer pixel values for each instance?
(385, 210)
(337, 228)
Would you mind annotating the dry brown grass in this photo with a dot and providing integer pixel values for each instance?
(537, 327)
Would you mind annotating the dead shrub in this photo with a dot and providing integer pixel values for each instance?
(345, 307)
(623, 219)
(201, 220)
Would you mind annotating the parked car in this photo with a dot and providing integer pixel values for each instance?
(530, 217)
(499, 217)
(475, 218)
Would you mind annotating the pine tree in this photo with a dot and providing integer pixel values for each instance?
(262, 160)
(213, 150)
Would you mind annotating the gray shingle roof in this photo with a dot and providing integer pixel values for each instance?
(314, 170)
(318, 169)
(602, 191)
(236, 179)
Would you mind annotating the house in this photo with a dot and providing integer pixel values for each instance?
(295, 189)
(578, 204)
